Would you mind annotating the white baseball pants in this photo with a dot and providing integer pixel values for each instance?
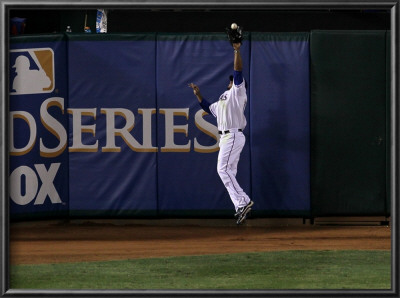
(231, 145)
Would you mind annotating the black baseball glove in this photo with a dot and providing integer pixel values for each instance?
(235, 35)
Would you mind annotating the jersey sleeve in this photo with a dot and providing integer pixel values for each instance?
(240, 90)
(205, 105)
(237, 77)
(239, 84)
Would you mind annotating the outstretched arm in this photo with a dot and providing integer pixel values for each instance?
(203, 103)
(196, 91)
(237, 62)
(237, 65)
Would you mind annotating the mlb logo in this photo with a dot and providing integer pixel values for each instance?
(32, 71)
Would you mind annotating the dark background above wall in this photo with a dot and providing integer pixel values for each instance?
(129, 20)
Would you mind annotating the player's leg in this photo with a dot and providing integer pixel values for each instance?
(244, 204)
(235, 163)
(225, 147)
(234, 192)
(231, 146)
(240, 141)
(243, 198)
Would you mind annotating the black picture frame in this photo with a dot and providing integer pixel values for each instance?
(393, 6)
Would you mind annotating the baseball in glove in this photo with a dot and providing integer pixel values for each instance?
(235, 33)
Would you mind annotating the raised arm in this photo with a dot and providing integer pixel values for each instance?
(237, 65)
(237, 61)
(196, 91)
(203, 103)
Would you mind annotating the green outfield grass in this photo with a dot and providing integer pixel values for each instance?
(267, 270)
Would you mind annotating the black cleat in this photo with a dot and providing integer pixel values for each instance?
(242, 212)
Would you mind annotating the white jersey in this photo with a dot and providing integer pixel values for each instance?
(229, 109)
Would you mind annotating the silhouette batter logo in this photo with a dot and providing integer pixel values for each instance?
(32, 71)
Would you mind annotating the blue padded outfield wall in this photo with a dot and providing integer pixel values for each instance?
(117, 132)
(112, 93)
(280, 122)
(37, 126)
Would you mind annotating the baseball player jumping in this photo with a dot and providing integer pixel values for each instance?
(229, 111)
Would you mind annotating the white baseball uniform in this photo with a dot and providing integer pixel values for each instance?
(229, 111)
